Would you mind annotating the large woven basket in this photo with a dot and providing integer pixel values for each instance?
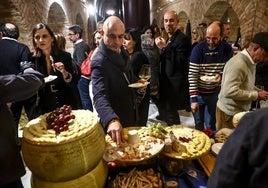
(66, 161)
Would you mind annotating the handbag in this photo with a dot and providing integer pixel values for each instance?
(85, 66)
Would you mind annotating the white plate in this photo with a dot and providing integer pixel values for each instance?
(50, 78)
(138, 84)
(122, 155)
(216, 148)
(207, 78)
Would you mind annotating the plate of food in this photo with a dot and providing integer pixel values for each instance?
(139, 84)
(131, 152)
(208, 78)
(50, 78)
(185, 142)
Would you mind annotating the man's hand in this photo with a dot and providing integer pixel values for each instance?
(115, 130)
(195, 107)
(218, 78)
(262, 95)
(160, 42)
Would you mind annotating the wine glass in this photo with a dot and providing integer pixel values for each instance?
(258, 104)
(145, 72)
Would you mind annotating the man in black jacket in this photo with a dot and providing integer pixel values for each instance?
(12, 53)
(13, 88)
(243, 159)
(174, 86)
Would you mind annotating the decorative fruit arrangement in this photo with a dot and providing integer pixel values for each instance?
(155, 130)
(58, 118)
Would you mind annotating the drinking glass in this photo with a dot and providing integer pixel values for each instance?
(258, 105)
(145, 72)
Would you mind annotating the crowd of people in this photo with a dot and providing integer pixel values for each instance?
(116, 57)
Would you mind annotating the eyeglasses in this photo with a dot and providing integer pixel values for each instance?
(38, 37)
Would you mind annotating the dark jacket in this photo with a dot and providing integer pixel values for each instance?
(174, 67)
(243, 159)
(80, 52)
(138, 59)
(13, 88)
(11, 54)
(49, 98)
(111, 74)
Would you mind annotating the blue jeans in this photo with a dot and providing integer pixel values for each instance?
(201, 117)
(207, 111)
(83, 87)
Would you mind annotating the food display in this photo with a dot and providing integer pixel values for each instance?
(139, 84)
(222, 135)
(138, 179)
(58, 146)
(185, 143)
(61, 125)
(50, 78)
(208, 78)
(147, 147)
(237, 118)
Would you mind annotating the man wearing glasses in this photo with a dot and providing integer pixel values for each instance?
(206, 65)
(81, 49)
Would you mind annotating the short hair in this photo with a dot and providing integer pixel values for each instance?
(77, 30)
(13, 33)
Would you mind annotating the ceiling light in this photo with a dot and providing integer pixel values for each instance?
(110, 12)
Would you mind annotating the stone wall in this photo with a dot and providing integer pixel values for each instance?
(59, 15)
(250, 15)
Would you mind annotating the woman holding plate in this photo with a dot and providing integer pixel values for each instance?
(141, 68)
(55, 64)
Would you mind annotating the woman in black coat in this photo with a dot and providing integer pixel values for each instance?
(49, 60)
(132, 44)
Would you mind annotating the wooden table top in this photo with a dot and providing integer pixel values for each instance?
(207, 162)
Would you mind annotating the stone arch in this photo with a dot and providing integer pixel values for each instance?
(9, 12)
(91, 26)
(57, 18)
(79, 21)
(224, 12)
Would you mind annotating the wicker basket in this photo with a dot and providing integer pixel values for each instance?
(66, 161)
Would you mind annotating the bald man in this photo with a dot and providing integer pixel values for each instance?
(114, 101)
(207, 58)
(12, 53)
(174, 86)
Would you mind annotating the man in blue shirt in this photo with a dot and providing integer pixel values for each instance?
(207, 61)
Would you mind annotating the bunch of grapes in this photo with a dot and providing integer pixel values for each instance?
(58, 118)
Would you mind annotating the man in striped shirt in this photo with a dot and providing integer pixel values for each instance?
(206, 65)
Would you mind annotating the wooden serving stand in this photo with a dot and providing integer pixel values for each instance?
(207, 162)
